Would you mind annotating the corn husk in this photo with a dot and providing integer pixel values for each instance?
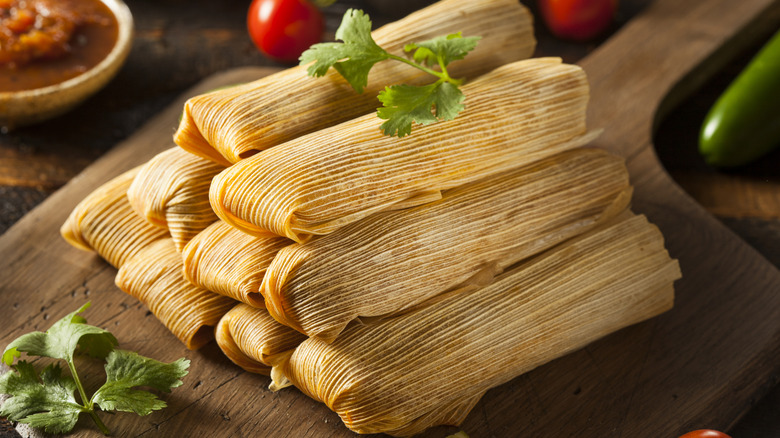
(154, 277)
(253, 340)
(105, 223)
(231, 124)
(515, 115)
(431, 365)
(374, 267)
(172, 191)
(229, 262)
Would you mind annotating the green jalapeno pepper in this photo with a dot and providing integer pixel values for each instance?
(744, 123)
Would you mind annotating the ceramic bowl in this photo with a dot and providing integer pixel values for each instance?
(20, 108)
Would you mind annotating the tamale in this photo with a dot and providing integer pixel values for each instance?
(374, 267)
(154, 277)
(458, 347)
(172, 191)
(517, 114)
(105, 223)
(253, 340)
(227, 261)
(231, 124)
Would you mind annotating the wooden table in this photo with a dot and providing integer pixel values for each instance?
(178, 44)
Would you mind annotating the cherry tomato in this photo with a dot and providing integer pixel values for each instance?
(577, 20)
(705, 433)
(283, 29)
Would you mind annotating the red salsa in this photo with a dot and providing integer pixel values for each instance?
(44, 42)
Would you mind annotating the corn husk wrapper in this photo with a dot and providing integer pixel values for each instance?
(253, 340)
(231, 124)
(227, 261)
(154, 277)
(517, 114)
(105, 222)
(374, 267)
(172, 191)
(465, 343)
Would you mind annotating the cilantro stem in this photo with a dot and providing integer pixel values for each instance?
(87, 402)
(75, 375)
(445, 72)
(99, 422)
(442, 75)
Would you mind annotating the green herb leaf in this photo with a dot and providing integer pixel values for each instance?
(49, 402)
(404, 104)
(62, 339)
(442, 50)
(126, 370)
(353, 58)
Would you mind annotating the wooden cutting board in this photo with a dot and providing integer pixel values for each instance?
(701, 364)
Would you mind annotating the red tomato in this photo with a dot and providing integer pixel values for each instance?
(705, 433)
(283, 29)
(577, 20)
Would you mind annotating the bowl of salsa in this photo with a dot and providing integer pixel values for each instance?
(56, 53)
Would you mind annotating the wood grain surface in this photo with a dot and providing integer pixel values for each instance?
(697, 365)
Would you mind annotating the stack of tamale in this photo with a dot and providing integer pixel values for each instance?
(343, 261)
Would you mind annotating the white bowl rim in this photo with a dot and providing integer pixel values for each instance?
(124, 20)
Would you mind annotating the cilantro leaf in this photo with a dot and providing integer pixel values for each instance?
(323, 56)
(126, 370)
(353, 58)
(49, 402)
(62, 339)
(442, 50)
(404, 104)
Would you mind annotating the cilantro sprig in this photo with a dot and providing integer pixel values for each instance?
(403, 105)
(48, 400)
